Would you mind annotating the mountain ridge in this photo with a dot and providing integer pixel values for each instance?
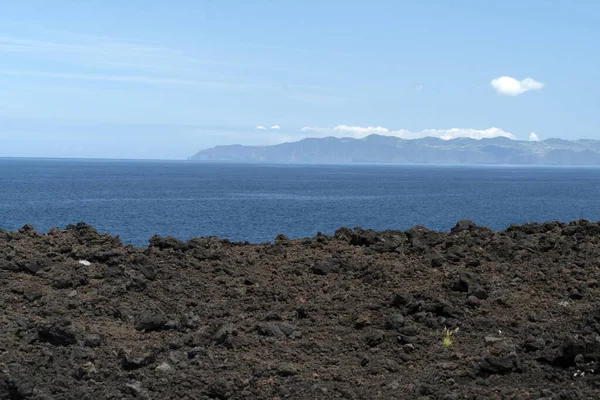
(377, 148)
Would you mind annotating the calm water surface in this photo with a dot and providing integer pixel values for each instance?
(136, 199)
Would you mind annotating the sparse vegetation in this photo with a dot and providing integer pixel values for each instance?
(448, 338)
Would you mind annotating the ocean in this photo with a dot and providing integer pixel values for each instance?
(253, 202)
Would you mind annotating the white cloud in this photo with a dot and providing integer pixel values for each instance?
(508, 86)
(445, 134)
(454, 133)
(311, 129)
(263, 128)
(533, 137)
(349, 130)
(359, 130)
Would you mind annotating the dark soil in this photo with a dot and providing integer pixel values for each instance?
(358, 315)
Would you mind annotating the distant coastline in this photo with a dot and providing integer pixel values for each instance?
(379, 149)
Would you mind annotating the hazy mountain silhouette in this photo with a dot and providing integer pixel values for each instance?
(390, 149)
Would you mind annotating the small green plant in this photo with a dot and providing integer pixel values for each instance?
(448, 336)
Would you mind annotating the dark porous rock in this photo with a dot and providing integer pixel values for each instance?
(402, 299)
(131, 360)
(501, 357)
(219, 389)
(362, 321)
(322, 238)
(576, 294)
(135, 281)
(478, 291)
(463, 225)
(278, 330)
(455, 253)
(442, 308)
(31, 266)
(286, 370)
(169, 242)
(57, 333)
(587, 346)
(534, 344)
(532, 317)
(473, 302)
(404, 339)
(215, 319)
(225, 334)
(282, 239)
(54, 231)
(177, 357)
(421, 238)
(189, 321)
(32, 296)
(28, 230)
(325, 267)
(8, 265)
(343, 234)
(374, 338)
(269, 329)
(87, 235)
(150, 320)
(196, 352)
(394, 321)
(363, 237)
(460, 285)
(388, 242)
(110, 257)
(92, 340)
(63, 281)
(15, 386)
(200, 337)
(437, 262)
(148, 271)
(135, 389)
(288, 329)
(67, 276)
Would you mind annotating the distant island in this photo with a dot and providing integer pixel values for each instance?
(390, 149)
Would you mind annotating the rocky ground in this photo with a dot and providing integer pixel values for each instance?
(357, 315)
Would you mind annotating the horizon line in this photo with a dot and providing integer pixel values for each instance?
(190, 161)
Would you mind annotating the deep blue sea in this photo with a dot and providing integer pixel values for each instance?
(137, 199)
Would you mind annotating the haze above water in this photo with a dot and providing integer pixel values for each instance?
(137, 199)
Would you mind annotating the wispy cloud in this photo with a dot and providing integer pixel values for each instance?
(261, 128)
(446, 134)
(419, 87)
(533, 137)
(122, 78)
(103, 51)
(96, 48)
(316, 51)
(276, 127)
(505, 85)
(321, 99)
(101, 58)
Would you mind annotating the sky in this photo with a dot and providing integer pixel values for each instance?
(164, 79)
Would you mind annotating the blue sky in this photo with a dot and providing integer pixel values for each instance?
(158, 79)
